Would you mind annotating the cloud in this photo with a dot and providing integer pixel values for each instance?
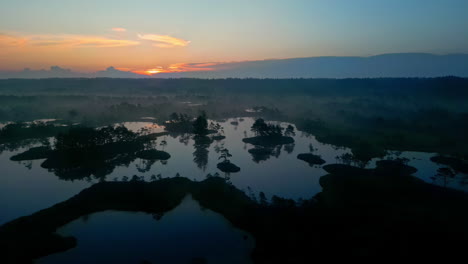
(59, 72)
(118, 29)
(52, 72)
(11, 41)
(176, 68)
(72, 41)
(188, 67)
(164, 41)
(112, 72)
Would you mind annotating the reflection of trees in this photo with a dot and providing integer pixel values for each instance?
(88, 169)
(277, 151)
(264, 153)
(27, 164)
(87, 153)
(289, 148)
(445, 174)
(218, 147)
(184, 138)
(15, 135)
(200, 155)
(144, 165)
(163, 143)
(25, 143)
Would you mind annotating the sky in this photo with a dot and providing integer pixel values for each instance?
(152, 36)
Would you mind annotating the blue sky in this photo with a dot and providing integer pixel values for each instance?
(231, 30)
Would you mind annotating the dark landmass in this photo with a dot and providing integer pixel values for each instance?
(217, 138)
(82, 152)
(394, 167)
(267, 141)
(384, 65)
(455, 163)
(360, 212)
(21, 131)
(310, 158)
(226, 166)
(383, 167)
(33, 154)
(153, 154)
(31, 237)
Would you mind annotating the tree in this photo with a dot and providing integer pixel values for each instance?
(225, 155)
(200, 125)
(174, 117)
(259, 127)
(216, 127)
(289, 132)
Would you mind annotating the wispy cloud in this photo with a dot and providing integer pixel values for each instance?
(164, 41)
(11, 41)
(72, 41)
(188, 67)
(119, 29)
(177, 67)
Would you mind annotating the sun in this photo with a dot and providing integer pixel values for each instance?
(153, 71)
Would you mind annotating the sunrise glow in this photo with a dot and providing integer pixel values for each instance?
(189, 36)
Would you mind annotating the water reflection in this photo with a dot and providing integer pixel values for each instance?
(273, 171)
(186, 234)
(200, 155)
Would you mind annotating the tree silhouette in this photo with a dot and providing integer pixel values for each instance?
(260, 128)
(225, 155)
(200, 125)
(445, 174)
(289, 132)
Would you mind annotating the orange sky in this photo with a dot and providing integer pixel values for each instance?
(149, 36)
(92, 53)
(87, 53)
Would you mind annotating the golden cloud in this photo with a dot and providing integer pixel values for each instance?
(11, 41)
(188, 67)
(72, 41)
(117, 29)
(164, 41)
(177, 67)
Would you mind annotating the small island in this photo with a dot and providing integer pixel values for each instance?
(310, 158)
(153, 154)
(268, 135)
(226, 165)
(35, 153)
(390, 168)
(456, 164)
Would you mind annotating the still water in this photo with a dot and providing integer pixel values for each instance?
(25, 187)
(187, 234)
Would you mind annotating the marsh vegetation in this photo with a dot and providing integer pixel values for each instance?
(363, 166)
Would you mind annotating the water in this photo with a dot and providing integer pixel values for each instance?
(188, 233)
(25, 187)
(181, 236)
(284, 176)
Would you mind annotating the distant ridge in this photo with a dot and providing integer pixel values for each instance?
(385, 65)
(396, 65)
